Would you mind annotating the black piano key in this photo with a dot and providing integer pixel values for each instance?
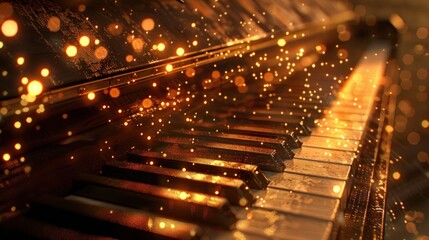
(265, 158)
(167, 202)
(297, 127)
(110, 221)
(235, 190)
(283, 150)
(250, 174)
(23, 227)
(251, 129)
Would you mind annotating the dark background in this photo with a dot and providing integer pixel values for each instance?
(408, 186)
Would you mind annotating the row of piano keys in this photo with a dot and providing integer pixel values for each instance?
(279, 167)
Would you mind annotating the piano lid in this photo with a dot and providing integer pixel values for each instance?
(46, 45)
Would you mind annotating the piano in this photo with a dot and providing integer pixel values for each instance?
(195, 119)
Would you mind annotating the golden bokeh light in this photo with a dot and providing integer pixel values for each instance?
(17, 146)
(91, 96)
(180, 51)
(268, 77)
(190, 72)
(44, 72)
(160, 47)
(147, 103)
(129, 58)
(84, 41)
(6, 157)
(396, 175)
(54, 24)
(20, 60)
(101, 53)
(169, 68)
(336, 188)
(17, 124)
(239, 81)
(137, 44)
(148, 24)
(114, 92)
(71, 50)
(216, 74)
(34, 88)
(9, 28)
(281, 42)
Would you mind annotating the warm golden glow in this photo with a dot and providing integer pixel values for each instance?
(44, 72)
(129, 58)
(35, 88)
(147, 103)
(183, 195)
(169, 67)
(17, 146)
(84, 41)
(190, 72)
(148, 24)
(17, 124)
(161, 47)
(20, 60)
(281, 42)
(54, 24)
(71, 50)
(268, 77)
(101, 53)
(239, 81)
(336, 189)
(6, 157)
(114, 92)
(216, 74)
(137, 44)
(91, 96)
(396, 175)
(9, 28)
(180, 51)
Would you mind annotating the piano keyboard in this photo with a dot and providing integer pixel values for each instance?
(252, 172)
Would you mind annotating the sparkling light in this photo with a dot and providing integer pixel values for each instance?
(281, 42)
(35, 88)
(71, 50)
(20, 60)
(161, 47)
(91, 96)
(169, 67)
(148, 24)
(6, 157)
(44, 72)
(180, 51)
(84, 41)
(9, 28)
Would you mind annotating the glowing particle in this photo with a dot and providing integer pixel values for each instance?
(81, 8)
(97, 41)
(336, 188)
(101, 53)
(215, 74)
(84, 41)
(193, 25)
(6, 157)
(239, 81)
(190, 72)
(17, 124)
(148, 24)
(281, 42)
(137, 44)
(425, 124)
(147, 103)
(91, 96)
(20, 60)
(180, 51)
(396, 175)
(17, 146)
(44, 72)
(195, 43)
(24, 80)
(161, 47)
(389, 129)
(268, 77)
(129, 58)
(169, 67)
(114, 92)
(149, 138)
(34, 88)
(9, 28)
(162, 225)
(28, 119)
(71, 50)
(183, 195)
(54, 24)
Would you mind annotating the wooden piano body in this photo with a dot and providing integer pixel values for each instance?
(203, 119)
